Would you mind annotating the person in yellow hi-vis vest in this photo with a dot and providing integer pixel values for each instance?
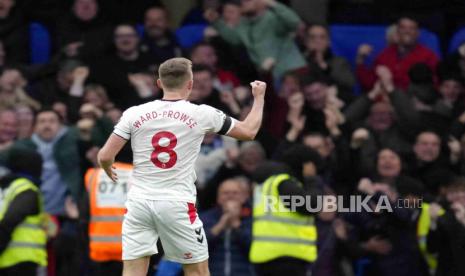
(423, 226)
(446, 235)
(284, 236)
(22, 219)
(106, 211)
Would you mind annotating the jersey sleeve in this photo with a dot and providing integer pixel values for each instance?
(214, 120)
(123, 127)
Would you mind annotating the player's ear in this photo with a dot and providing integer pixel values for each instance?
(190, 84)
(159, 84)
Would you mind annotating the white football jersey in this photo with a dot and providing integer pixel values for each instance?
(165, 140)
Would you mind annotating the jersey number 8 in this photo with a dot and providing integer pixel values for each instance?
(168, 149)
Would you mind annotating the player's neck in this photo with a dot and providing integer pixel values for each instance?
(173, 96)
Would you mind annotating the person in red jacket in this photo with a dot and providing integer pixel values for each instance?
(399, 57)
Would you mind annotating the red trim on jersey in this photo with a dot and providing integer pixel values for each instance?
(191, 211)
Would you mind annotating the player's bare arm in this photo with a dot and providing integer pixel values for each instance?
(248, 128)
(106, 155)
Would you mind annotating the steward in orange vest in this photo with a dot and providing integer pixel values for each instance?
(106, 211)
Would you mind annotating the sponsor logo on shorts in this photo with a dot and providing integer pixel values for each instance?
(198, 232)
(187, 255)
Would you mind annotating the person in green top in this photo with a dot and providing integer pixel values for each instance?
(266, 30)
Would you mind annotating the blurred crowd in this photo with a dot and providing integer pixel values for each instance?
(402, 136)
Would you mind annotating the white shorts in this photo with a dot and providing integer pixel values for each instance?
(177, 225)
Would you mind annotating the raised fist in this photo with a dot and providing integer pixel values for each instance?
(366, 186)
(363, 51)
(81, 73)
(359, 136)
(258, 88)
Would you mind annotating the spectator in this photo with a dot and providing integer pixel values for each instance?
(57, 88)
(97, 95)
(387, 237)
(195, 14)
(8, 128)
(428, 111)
(274, 223)
(214, 151)
(251, 155)
(14, 31)
(382, 128)
(334, 152)
(447, 232)
(204, 92)
(158, 40)
(104, 236)
(60, 176)
(451, 89)
(452, 64)
(278, 106)
(228, 229)
(322, 104)
(114, 70)
(114, 114)
(389, 170)
(335, 249)
(23, 239)
(231, 13)
(25, 115)
(83, 33)
(398, 58)
(12, 90)
(392, 36)
(321, 60)
(205, 54)
(61, 182)
(427, 165)
(332, 148)
(270, 22)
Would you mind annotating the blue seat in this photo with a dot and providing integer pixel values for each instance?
(345, 40)
(457, 39)
(140, 29)
(168, 268)
(189, 35)
(39, 42)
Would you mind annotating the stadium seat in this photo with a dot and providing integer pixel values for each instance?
(345, 40)
(140, 29)
(168, 268)
(457, 39)
(39, 43)
(189, 35)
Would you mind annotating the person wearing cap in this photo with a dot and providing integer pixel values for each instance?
(22, 219)
(283, 238)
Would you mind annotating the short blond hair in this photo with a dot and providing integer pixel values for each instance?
(175, 72)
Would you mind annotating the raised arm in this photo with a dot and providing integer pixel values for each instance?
(248, 128)
(106, 155)
(226, 32)
(288, 20)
